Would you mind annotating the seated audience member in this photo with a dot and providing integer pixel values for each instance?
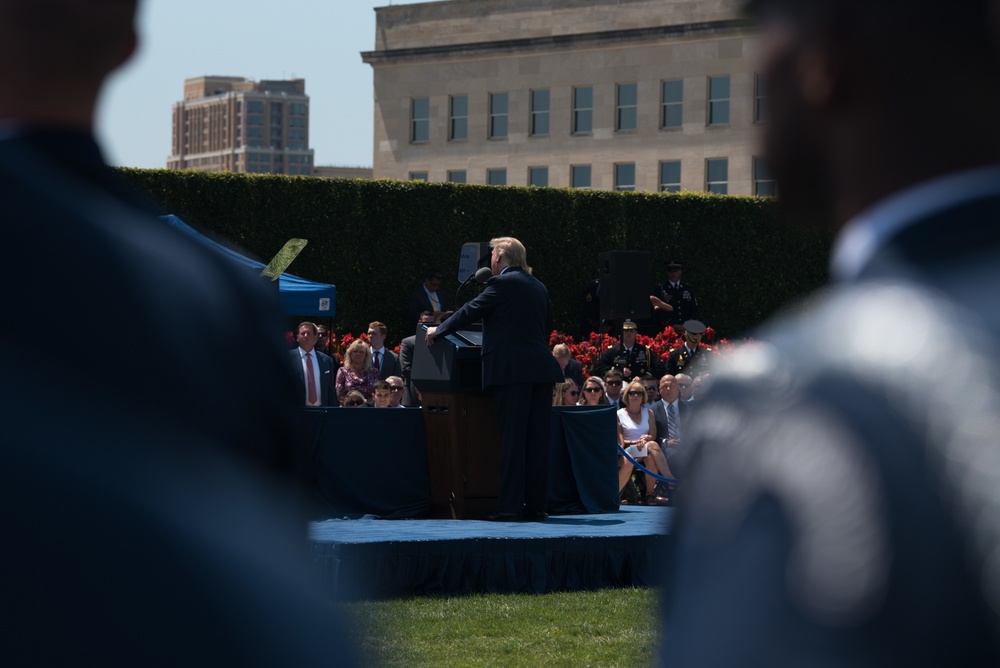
(353, 399)
(699, 385)
(357, 372)
(685, 385)
(652, 389)
(637, 435)
(395, 391)
(629, 357)
(565, 393)
(572, 370)
(381, 394)
(670, 412)
(593, 393)
(613, 385)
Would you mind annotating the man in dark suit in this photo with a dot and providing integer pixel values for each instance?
(429, 297)
(309, 363)
(835, 505)
(572, 370)
(383, 359)
(411, 397)
(670, 413)
(519, 370)
(147, 501)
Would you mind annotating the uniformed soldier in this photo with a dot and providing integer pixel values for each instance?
(631, 359)
(689, 358)
(676, 294)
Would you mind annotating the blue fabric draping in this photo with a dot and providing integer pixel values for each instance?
(583, 460)
(368, 461)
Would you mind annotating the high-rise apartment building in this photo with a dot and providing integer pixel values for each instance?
(241, 125)
(654, 95)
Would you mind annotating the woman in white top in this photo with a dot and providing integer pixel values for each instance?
(637, 435)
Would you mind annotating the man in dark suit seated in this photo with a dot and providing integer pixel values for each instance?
(519, 370)
(844, 489)
(670, 413)
(151, 519)
(316, 371)
(411, 398)
(572, 370)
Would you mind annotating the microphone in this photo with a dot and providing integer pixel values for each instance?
(482, 275)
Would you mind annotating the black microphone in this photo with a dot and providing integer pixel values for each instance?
(482, 275)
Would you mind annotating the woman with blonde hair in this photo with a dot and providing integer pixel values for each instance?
(565, 393)
(637, 436)
(357, 372)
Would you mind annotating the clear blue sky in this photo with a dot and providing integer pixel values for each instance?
(317, 40)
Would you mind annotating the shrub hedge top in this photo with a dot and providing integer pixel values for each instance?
(374, 239)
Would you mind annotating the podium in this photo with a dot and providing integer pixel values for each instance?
(460, 425)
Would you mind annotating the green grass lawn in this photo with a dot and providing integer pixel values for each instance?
(610, 627)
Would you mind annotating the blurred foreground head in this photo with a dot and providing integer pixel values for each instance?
(867, 97)
(55, 55)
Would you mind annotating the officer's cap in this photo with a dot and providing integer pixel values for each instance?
(694, 326)
(628, 324)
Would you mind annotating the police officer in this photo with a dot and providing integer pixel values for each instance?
(689, 358)
(631, 359)
(678, 295)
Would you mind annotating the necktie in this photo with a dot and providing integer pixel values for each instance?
(310, 380)
(378, 367)
(671, 421)
(435, 302)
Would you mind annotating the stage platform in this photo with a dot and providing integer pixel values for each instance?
(378, 559)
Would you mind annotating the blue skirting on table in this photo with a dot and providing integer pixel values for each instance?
(377, 559)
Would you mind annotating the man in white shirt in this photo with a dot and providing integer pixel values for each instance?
(396, 387)
(316, 371)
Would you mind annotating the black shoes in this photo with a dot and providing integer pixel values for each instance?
(526, 516)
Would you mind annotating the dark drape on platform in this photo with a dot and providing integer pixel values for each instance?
(368, 461)
(583, 460)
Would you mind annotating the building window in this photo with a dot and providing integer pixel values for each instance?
(539, 112)
(759, 99)
(255, 119)
(625, 113)
(418, 176)
(456, 176)
(498, 115)
(672, 114)
(625, 176)
(579, 176)
(496, 177)
(459, 122)
(763, 180)
(583, 110)
(538, 176)
(718, 100)
(717, 176)
(297, 109)
(420, 120)
(255, 107)
(670, 176)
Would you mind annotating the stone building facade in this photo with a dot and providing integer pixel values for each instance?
(241, 125)
(651, 95)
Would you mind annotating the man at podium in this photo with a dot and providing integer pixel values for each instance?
(519, 371)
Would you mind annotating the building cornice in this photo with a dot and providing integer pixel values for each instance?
(703, 29)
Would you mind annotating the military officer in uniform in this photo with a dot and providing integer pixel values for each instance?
(631, 359)
(674, 300)
(689, 358)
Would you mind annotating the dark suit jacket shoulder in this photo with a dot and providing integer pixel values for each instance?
(517, 321)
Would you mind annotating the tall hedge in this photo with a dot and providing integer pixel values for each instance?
(373, 239)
